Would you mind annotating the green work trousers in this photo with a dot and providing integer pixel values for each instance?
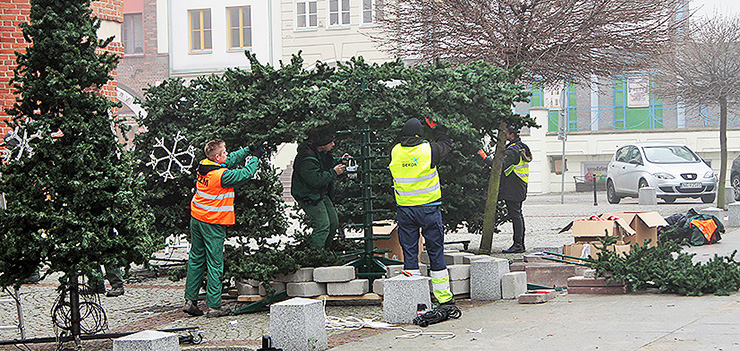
(113, 274)
(206, 254)
(324, 221)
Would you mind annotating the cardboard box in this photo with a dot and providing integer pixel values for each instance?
(644, 224)
(591, 230)
(392, 243)
(590, 249)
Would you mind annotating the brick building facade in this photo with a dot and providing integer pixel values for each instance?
(15, 12)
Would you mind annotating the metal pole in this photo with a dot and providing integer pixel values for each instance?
(594, 179)
(564, 127)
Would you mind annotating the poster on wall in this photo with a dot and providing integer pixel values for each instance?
(638, 91)
(591, 170)
(551, 96)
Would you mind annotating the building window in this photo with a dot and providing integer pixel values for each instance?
(306, 14)
(240, 27)
(368, 11)
(200, 30)
(133, 36)
(338, 12)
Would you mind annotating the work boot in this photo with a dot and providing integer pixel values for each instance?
(191, 308)
(514, 249)
(114, 292)
(218, 312)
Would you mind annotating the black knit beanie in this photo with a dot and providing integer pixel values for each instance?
(412, 127)
(322, 136)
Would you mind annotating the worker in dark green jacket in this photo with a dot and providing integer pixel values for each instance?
(314, 172)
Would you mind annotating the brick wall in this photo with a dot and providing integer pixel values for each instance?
(136, 72)
(14, 12)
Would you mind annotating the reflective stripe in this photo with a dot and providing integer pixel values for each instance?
(441, 285)
(416, 179)
(214, 197)
(418, 192)
(213, 208)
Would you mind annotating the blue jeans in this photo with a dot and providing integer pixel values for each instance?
(429, 220)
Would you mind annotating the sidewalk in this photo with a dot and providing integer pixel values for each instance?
(577, 322)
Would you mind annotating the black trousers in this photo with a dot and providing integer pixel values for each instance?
(517, 220)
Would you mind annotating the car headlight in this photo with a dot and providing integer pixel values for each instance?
(709, 174)
(663, 175)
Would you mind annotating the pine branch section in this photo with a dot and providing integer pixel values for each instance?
(554, 39)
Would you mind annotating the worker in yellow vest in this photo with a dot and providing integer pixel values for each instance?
(418, 196)
(212, 210)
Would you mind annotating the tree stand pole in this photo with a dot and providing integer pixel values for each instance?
(74, 306)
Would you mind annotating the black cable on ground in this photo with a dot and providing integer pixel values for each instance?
(439, 314)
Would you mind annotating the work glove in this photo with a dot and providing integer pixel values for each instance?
(430, 123)
(482, 154)
(257, 149)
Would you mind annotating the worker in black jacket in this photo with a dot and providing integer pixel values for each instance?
(513, 185)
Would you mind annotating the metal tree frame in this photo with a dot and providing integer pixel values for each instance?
(367, 262)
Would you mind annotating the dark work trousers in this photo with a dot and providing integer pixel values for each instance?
(429, 220)
(517, 220)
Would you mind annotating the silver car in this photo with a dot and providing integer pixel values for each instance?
(672, 169)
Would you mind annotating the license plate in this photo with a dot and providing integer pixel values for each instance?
(690, 185)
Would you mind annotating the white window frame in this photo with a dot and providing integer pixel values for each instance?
(307, 14)
(340, 14)
(373, 13)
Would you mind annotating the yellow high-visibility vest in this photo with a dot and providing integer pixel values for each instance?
(521, 169)
(414, 180)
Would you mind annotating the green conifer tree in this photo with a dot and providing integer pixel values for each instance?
(75, 203)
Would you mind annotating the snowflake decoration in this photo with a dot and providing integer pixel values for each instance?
(16, 145)
(182, 159)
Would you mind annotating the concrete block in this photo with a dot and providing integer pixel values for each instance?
(647, 196)
(393, 270)
(350, 288)
(513, 284)
(717, 212)
(471, 258)
(243, 288)
(148, 340)
(298, 324)
(459, 272)
(454, 258)
(401, 295)
(424, 269)
(589, 273)
(537, 296)
(485, 278)
(304, 274)
(336, 274)
(551, 274)
(460, 287)
(378, 286)
(537, 257)
(278, 286)
(733, 215)
(306, 289)
(601, 290)
(729, 195)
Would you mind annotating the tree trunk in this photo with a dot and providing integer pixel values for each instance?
(74, 307)
(722, 152)
(489, 217)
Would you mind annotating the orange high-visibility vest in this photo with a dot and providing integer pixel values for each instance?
(212, 203)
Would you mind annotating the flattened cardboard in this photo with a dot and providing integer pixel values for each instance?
(581, 249)
(589, 230)
(644, 224)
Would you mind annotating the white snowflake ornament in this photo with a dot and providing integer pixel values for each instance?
(181, 159)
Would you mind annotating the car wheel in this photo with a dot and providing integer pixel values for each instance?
(736, 185)
(707, 198)
(669, 199)
(611, 194)
(642, 184)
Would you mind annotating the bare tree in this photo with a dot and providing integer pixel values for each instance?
(703, 68)
(555, 40)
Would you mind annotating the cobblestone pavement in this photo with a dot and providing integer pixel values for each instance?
(153, 302)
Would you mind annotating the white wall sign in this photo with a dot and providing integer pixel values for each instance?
(638, 91)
